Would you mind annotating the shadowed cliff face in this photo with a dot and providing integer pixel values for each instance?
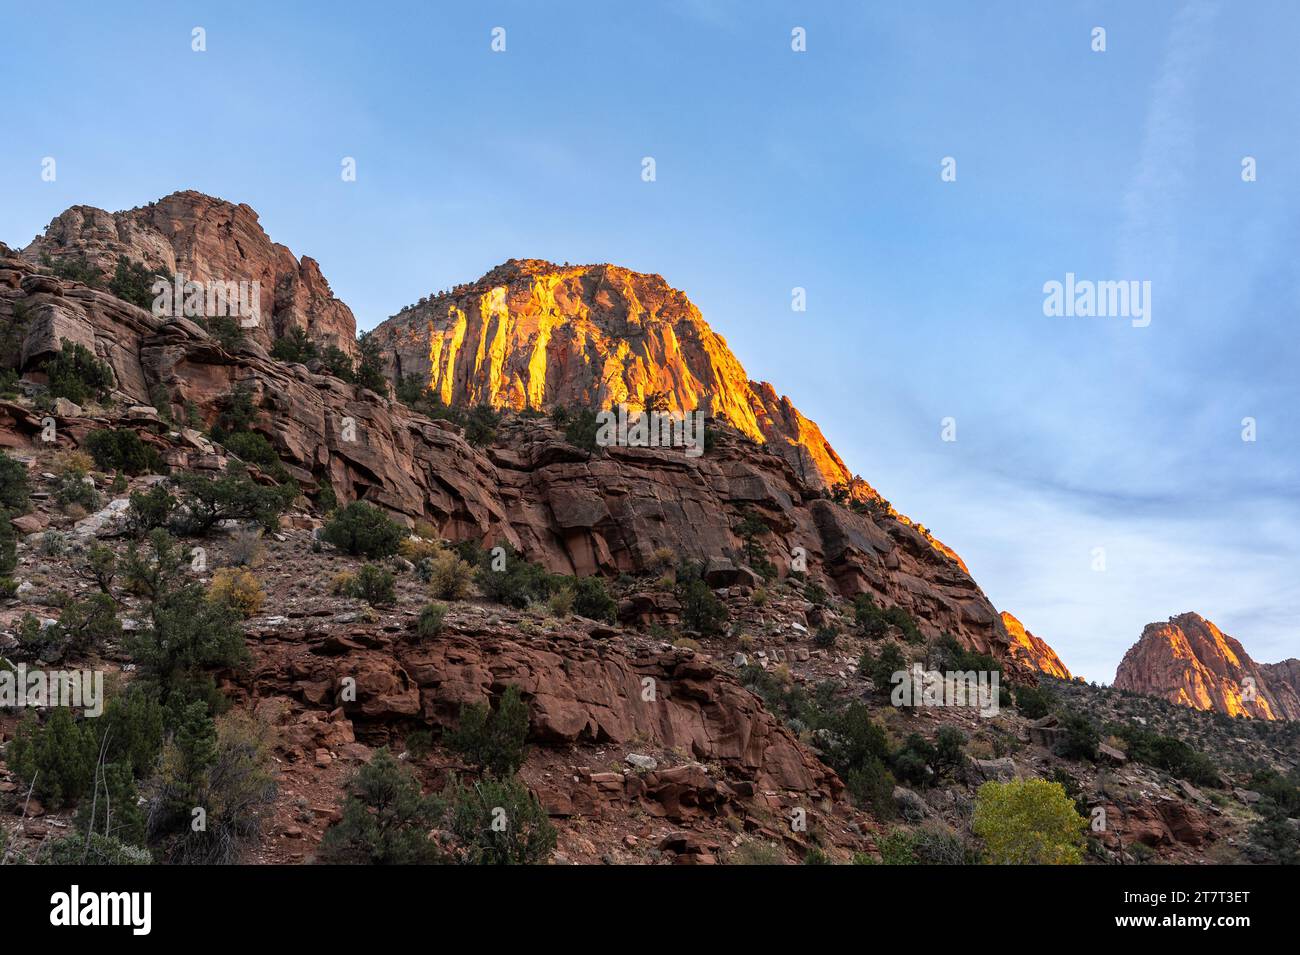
(1032, 650)
(1190, 661)
(531, 334)
(207, 240)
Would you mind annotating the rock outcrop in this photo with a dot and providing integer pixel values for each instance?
(1190, 661)
(206, 240)
(531, 334)
(579, 690)
(1032, 650)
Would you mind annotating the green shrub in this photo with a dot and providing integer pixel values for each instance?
(385, 820)
(112, 807)
(150, 510)
(227, 331)
(481, 426)
(826, 637)
(493, 739)
(77, 375)
(896, 848)
(591, 599)
(449, 577)
(922, 763)
(133, 283)
(225, 768)
(560, 603)
(430, 620)
(928, 845)
(1170, 754)
(580, 428)
(204, 502)
(500, 822)
(511, 580)
(74, 488)
(854, 738)
(94, 849)
(414, 392)
(1033, 702)
(122, 450)
(1274, 839)
(1282, 791)
(363, 529)
(237, 413)
(370, 365)
(1080, 737)
(89, 624)
(131, 730)
(8, 546)
(1029, 822)
(254, 448)
(374, 585)
(750, 530)
(75, 268)
(702, 611)
(337, 363)
(184, 633)
(875, 622)
(295, 345)
(57, 757)
(15, 489)
(881, 669)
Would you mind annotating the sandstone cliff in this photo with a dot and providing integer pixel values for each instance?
(207, 240)
(1190, 661)
(1032, 650)
(531, 334)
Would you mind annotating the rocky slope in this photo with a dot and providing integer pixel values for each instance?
(207, 240)
(1189, 661)
(534, 335)
(710, 767)
(568, 509)
(1034, 651)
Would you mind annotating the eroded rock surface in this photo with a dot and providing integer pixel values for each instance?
(1189, 661)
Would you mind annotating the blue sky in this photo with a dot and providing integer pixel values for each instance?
(820, 169)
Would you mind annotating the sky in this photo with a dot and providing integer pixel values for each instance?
(1098, 480)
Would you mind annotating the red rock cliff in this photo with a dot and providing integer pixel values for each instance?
(531, 334)
(1190, 661)
(1032, 650)
(207, 240)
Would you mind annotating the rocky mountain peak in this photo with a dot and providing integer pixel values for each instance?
(1189, 661)
(534, 334)
(207, 240)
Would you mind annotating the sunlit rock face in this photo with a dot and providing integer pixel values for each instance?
(1033, 651)
(1190, 661)
(207, 240)
(531, 334)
